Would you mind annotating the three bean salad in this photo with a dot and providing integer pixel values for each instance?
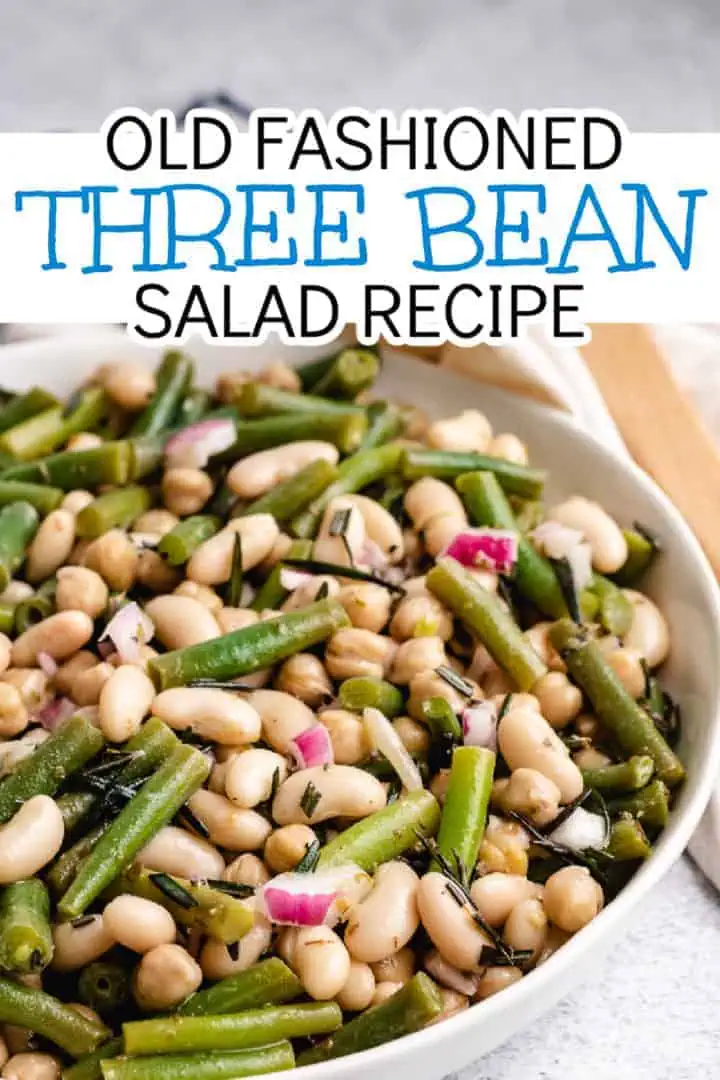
(318, 726)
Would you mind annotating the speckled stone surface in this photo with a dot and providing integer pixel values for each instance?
(651, 1011)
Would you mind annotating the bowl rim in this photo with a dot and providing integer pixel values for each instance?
(672, 843)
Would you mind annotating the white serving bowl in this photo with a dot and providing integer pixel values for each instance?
(681, 582)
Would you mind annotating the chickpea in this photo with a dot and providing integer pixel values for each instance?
(429, 684)
(504, 847)
(88, 685)
(421, 616)
(627, 665)
(415, 656)
(347, 735)
(526, 926)
(115, 558)
(509, 448)
(560, 701)
(128, 383)
(32, 1066)
(282, 716)
(539, 637)
(398, 968)
(165, 976)
(282, 376)
(367, 605)
(304, 676)
(414, 736)
(139, 924)
(81, 589)
(358, 652)
(383, 991)
(247, 869)
(185, 490)
(205, 596)
(572, 898)
(530, 793)
(14, 717)
(285, 847)
(31, 684)
(495, 979)
(357, 993)
(216, 961)
(50, 546)
(60, 636)
(155, 574)
(470, 430)
(588, 726)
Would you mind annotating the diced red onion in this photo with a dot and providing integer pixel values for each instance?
(195, 445)
(47, 663)
(479, 723)
(57, 710)
(489, 549)
(292, 579)
(128, 630)
(383, 737)
(580, 561)
(312, 747)
(581, 831)
(561, 542)
(323, 897)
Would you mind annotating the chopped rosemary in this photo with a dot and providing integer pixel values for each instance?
(220, 684)
(82, 920)
(456, 681)
(568, 587)
(274, 784)
(309, 799)
(504, 708)
(316, 566)
(310, 859)
(235, 584)
(186, 817)
(173, 890)
(322, 591)
(232, 888)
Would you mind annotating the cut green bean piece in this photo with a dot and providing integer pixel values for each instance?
(630, 775)
(74, 806)
(210, 910)
(483, 614)
(412, 1007)
(72, 469)
(232, 1031)
(650, 805)
(147, 455)
(7, 618)
(250, 649)
(35, 437)
(628, 841)
(449, 464)
(344, 430)
(89, 1066)
(232, 1065)
(615, 612)
(357, 472)
(67, 750)
(173, 379)
(269, 982)
(18, 525)
(272, 593)
(464, 814)
(385, 422)
(367, 692)
(25, 406)
(642, 549)
(112, 510)
(88, 409)
(26, 943)
(154, 806)
(533, 574)
(178, 545)
(352, 371)
(628, 722)
(440, 717)
(104, 987)
(255, 399)
(43, 498)
(37, 607)
(386, 834)
(293, 495)
(45, 1015)
(193, 407)
(64, 870)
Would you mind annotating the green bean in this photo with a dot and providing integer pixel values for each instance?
(465, 809)
(35, 437)
(203, 1066)
(483, 614)
(311, 372)
(627, 841)
(147, 455)
(630, 775)
(154, 805)
(367, 692)
(642, 549)
(440, 717)
(272, 592)
(18, 525)
(25, 406)
(357, 472)
(89, 1066)
(173, 379)
(650, 805)
(45, 1015)
(105, 987)
(487, 504)
(89, 408)
(449, 464)
(256, 399)
(293, 495)
(193, 407)
(64, 870)
(43, 498)
(73, 469)
(269, 982)
(37, 607)
(344, 430)
(7, 618)
(385, 422)
(412, 1007)
(528, 513)
(232, 1031)
(352, 371)
(250, 649)
(625, 719)
(112, 510)
(74, 806)
(386, 834)
(178, 545)
(26, 943)
(615, 612)
(70, 746)
(219, 914)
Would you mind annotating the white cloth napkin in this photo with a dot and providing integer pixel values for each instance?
(564, 379)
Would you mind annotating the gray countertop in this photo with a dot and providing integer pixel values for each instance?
(650, 1012)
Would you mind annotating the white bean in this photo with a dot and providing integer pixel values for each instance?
(217, 715)
(530, 793)
(527, 926)
(343, 550)
(526, 740)
(321, 962)
(286, 846)
(78, 946)
(128, 383)
(380, 527)
(347, 735)
(14, 717)
(211, 563)
(607, 543)
(627, 665)
(470, 430)
(181, 621)
(115, 558)
(357, 992)
(186, 490)
(649, 633)
(450, 926)
(496, 979)
(125, 700)
(259, 473)
(399, 968)
(560, 701)
(50, 546)
(216, 961)
(32, 1066)
(229, 826)
(81, 589)
(59, 635)
(139, 924)
(283, 717)
(31, 838)
(175, 851)
(508, 447)
(75, 501)
(304, 676)
(250, 776)
(339, 791)
(386, 920)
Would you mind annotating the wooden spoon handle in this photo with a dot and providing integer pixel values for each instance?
(660, 427)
